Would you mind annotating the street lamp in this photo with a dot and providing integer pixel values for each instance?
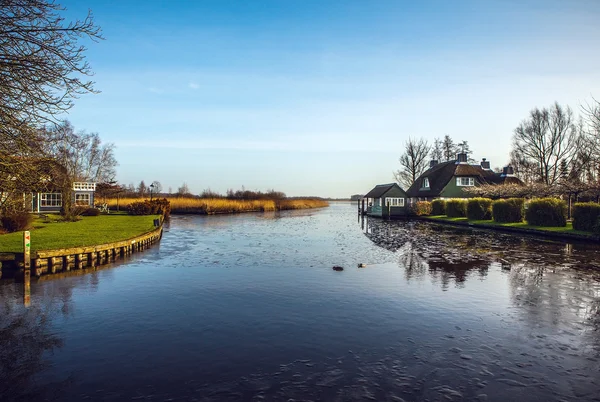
(151, 188)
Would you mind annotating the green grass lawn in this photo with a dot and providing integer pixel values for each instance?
(49, 234)
(520, 225)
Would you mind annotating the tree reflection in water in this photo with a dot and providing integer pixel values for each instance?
(27, 337)
(547, 278)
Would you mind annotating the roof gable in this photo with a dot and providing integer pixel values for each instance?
(381, 189)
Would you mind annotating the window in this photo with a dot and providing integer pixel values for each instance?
(465, 181)
(51, 200)
(82, 199)
(425, 183)
(395, 202)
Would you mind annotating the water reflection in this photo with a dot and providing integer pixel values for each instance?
(551, 282)
(26, 339)
(247, 307)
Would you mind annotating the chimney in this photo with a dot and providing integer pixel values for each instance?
(432, 163)
(508, 171)
(461, 157)
(485, 164)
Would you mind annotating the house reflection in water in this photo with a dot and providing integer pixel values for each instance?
(446, 256)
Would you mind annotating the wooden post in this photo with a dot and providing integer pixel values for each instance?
(362, 209)
(26, 268)
(26, 250)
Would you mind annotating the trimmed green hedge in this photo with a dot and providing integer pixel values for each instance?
(586, 216)
(422, 208)
(456, 208)
(479, 209)
(546, 212)
(508, 211)
(438, 207)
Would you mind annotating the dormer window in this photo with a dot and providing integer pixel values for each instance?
(465, 181)
(425, 183)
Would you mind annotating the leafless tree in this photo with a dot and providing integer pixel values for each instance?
(141, 189)
(591, 112)
(42, 71)
(413, 162)
(183, 190)
(548, 139)
(437, 152)
(82, 154)
(448, 148)
(157, 187)
(42, 64)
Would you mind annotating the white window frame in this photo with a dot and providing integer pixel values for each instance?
(87, 199)
(465, 181)
(395, 201)
(50, 200)
(425, 183)
(84, 186)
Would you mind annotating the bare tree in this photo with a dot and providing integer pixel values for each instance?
(42, 71)
(42, 64)
(448, 148)
(413, 161)
(82, 154)
(548, 138)
(141, 189)
(591, 112)
(437, 151)
(157, 187)
(183, 190)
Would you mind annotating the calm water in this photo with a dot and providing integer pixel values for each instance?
(248, 307)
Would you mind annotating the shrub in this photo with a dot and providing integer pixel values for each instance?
(456, 208)
(438, 207)
(91, 212)
(508, 211)
(479, 209)
(16, 221)
(585, 215)
(547, 212)
(422, 208)
(154, 207)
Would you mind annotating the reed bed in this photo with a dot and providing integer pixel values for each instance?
(210, 206)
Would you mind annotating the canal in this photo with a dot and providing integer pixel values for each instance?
(248, 307)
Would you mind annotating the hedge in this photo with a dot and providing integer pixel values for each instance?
(508, 211)
(438, 207)
(16, 221)
(422, 208)
(586, 216)
(154, 207)
(479, 208)
(547, 212)
(456, 208)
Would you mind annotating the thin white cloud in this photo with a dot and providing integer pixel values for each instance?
(194, 86)
(155, 90)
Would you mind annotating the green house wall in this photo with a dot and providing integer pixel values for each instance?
(395, 192)
(453, 191)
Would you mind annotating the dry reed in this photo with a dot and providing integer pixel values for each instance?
(186, 205)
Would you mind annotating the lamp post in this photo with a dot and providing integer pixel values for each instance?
(151, 188)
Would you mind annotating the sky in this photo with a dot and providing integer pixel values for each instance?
(319, 97)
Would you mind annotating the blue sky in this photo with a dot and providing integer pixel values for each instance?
(318, 97)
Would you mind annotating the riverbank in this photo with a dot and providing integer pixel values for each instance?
(566, 232)
(210, 206)
(50, 233)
